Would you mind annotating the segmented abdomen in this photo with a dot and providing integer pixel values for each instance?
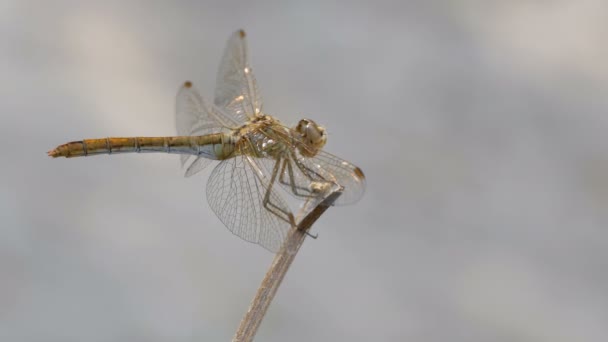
(213, 146)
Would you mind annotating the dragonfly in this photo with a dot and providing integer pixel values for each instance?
(257, 154)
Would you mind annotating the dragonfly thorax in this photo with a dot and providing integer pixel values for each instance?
(312, 136)
(263, 137)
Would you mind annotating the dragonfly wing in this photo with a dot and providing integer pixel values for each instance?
(305, 177)
(339, 171)
(236, 191)
(294, 177)
(195, 117)
(309, 177)
(236, 89)
(198, 165)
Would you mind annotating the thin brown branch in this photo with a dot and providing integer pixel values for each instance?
(270, 284)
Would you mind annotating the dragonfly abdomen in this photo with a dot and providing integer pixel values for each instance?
(213, 146)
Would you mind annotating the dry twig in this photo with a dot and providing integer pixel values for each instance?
(270, 284)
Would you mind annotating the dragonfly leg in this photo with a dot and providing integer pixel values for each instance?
(315, 236)
(273, 208)
(319, 184)
(295, 189)
(308, 171)
(282, 176)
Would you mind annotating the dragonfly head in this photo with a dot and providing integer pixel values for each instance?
(312, 135)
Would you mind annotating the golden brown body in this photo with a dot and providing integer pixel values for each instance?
(258, 154)
(176, 145)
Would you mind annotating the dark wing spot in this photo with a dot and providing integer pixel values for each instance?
(359, 173)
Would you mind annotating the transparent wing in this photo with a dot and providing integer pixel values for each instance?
(195, 117)
(236, 192)
(236, 89)
(307, 177)
(341, 172)
(198, 165)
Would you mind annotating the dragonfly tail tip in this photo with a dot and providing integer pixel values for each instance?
(53, 153)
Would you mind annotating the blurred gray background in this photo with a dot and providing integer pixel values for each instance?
(481, 127)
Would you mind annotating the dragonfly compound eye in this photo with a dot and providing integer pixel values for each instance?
(313, 136)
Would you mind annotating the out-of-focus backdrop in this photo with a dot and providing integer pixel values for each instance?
(481, 127)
